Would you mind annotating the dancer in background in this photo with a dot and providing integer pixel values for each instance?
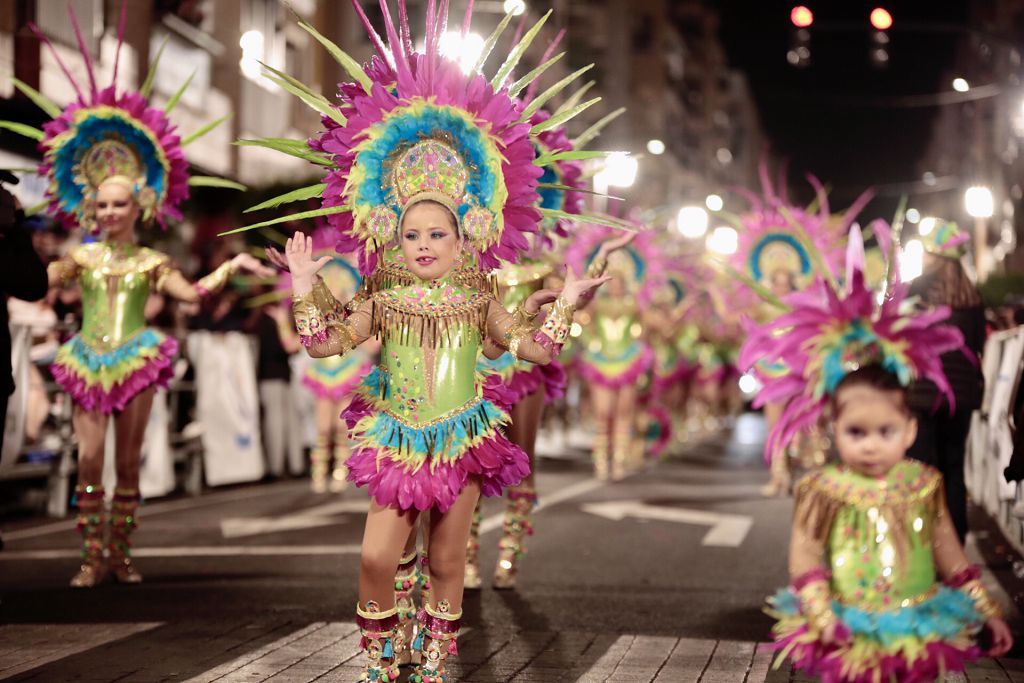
(614, 356)
(880, 586)
(113, 163)
(334, 379)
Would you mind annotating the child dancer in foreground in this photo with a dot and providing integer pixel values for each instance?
(881, 589)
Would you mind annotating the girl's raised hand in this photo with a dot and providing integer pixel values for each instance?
(299, 252)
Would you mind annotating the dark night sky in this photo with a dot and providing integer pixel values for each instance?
(818, 117)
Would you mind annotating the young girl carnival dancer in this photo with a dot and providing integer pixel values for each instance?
(440, 162)
(112, 161)
(881, 589)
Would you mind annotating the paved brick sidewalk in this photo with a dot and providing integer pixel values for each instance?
(328, 652)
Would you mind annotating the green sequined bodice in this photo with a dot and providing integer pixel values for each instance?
(431, 338)
(879, 547)
(115, 282)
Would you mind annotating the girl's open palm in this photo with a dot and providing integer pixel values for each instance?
(299, 253)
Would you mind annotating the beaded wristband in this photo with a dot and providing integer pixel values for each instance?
(558, 322)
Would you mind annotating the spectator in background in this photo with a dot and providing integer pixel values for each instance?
(281, 425)
(942, 437)
(22, 275)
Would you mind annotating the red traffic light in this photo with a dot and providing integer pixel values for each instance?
(881, 19)
(801, 16)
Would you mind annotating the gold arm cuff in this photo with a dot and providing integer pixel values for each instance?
(215, 281)
(986, 606)
(816, 605)
(558, 322)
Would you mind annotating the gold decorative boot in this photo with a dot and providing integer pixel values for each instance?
(472, 578)
(406, 580)
(123, 522)
(91, 520)
(339, 475)
(378, 632)
(517, 527)
(318, 465)
(439, 629)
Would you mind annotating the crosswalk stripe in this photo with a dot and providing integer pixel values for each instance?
(28, 646)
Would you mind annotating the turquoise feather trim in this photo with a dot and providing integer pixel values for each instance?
(945, 615)
(96, 360)
(445, 440)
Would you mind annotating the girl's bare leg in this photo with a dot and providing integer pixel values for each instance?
(130, 430)
(91, 431)
(385, 535)
(442, 614)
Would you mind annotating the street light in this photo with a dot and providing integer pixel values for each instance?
(961, 84)
(980, 205)
(251, 43)
(979, 202)
(912, 260)
(723, 240)
(692, 222)
(714, 202)
(620, 169)
(514, 7)
(656, 147)
(926, 225)
(465, 50)
(913, 215)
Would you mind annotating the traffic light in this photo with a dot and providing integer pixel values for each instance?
(878, 49)
(799, 54)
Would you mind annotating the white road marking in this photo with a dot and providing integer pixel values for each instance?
(726, 530)
(150, 509)
(576, 490)
(195, 551)
(306, 518)
(28, 646)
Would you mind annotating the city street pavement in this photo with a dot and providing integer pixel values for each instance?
(660, 577)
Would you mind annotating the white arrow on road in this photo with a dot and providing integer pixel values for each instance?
(309, 518)
(726, 530)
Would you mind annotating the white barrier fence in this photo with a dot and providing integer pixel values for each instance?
(990, 444)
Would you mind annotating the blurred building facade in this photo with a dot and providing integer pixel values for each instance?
(659, 58)
(978, 135)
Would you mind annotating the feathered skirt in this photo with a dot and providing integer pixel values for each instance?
(107, 381)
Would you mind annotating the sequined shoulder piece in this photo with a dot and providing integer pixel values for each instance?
(430, 313)
(907, 483)
(96, 255)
